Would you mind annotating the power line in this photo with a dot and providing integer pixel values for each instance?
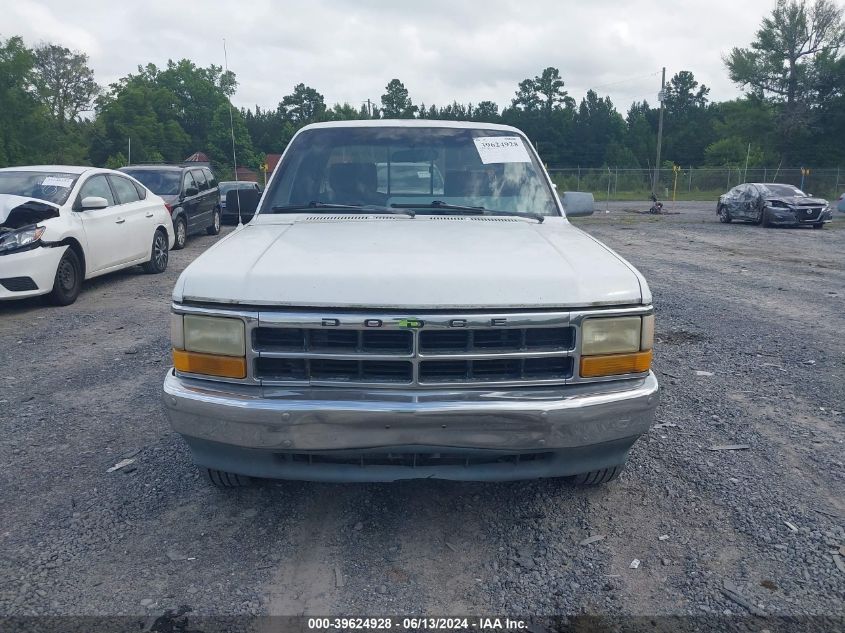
(615, 83)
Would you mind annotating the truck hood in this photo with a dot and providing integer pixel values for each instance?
(427, 262)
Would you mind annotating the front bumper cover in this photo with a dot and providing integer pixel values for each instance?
(265, 432)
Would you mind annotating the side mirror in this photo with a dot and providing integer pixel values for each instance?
(243, 201)
(94, 202)
(578, 203)
(191, 191)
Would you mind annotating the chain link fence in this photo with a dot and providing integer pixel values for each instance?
(691, 183)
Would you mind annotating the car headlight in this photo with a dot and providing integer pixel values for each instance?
(214, 346)
(616, 345)
(21, 239)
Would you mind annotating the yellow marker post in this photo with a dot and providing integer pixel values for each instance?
(677, 170)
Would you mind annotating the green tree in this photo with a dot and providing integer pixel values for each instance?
(220, 140)
(487, 112)
(684, 94)
(689, 120)
(527, 99)
(305, 105)
(395, 102)
(597, 126)
(782, 63)
(167, 113)
(63, 82)
(549, 86)
(24, 124)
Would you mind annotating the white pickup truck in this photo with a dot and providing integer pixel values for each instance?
(362, 328)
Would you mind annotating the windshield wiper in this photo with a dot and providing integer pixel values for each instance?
(316, 205)
(445, 206)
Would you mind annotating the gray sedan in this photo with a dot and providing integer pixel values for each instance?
(771, 204)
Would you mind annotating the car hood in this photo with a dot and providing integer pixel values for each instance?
(19, 211)
(798, 201)
(399, 262)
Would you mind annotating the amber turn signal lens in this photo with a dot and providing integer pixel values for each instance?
(613, 364)
(209, 364)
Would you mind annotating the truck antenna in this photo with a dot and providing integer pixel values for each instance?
(232, 128)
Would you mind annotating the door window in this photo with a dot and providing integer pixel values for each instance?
(124, 190)
(96, 186)
(188, 182)
(212, 182)
(199, 177)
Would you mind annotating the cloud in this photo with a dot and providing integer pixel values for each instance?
(443, 50)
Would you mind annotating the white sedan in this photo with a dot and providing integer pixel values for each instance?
(60, 225)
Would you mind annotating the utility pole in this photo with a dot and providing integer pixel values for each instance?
(660, 96)
(369, 108)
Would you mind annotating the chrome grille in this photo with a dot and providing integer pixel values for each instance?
(500, 339)
(267, 339)
(425, 350)
(305, 348)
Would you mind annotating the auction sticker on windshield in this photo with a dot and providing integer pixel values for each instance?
(53, 181)
(501, 149)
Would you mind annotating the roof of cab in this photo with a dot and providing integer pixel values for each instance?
(413, 123)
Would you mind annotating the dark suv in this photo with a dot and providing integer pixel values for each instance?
(189, 193)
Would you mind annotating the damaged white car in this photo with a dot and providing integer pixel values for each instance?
(60, 225)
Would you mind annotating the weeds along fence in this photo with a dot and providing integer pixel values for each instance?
(691, 183)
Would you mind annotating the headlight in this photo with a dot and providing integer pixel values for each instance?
(21, 239)
(612, 346)
(611, 335)
(214, 346)
(213, 335)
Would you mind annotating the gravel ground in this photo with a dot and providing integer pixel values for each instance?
(749, 352)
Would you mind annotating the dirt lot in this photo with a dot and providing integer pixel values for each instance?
(750, 351)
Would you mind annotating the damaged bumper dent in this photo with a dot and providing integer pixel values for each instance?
(795, 217)
(330, 434)
(38, 264)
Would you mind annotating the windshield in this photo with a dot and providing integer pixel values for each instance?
(229, 186)
(42, 185)
(407, 166)
(165, 182)
(786, 190)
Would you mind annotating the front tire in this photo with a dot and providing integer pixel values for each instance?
(724, 215)
(158, 254)
(818, 225)
(180, 228)
(222, 479)
(597, 477)
(214, 229)
(68, 281)
(764, 220)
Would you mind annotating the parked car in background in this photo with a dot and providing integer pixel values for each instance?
(841, 203)
(772, 204)
(60, 225)
(189, 193)
(232, 185)
(405, 177)
(359, 329)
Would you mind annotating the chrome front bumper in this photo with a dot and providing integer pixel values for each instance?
(250, 430)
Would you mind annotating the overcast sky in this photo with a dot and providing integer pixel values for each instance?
(442, 50)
